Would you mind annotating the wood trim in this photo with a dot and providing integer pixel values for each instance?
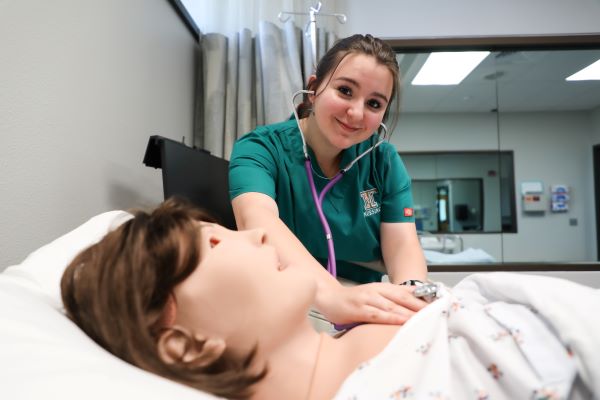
(514, 267)
(443, 152)
(496, 43)
(596, 171)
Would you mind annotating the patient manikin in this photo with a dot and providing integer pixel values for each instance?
(225, 299)
(198, 291)
(188, 299)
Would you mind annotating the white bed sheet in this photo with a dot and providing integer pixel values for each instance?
(44, 355)
(467, 256)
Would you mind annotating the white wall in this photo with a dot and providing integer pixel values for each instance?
(446, 132)
(554, 148)
(550, 147)
(83, 84)
(442, 18)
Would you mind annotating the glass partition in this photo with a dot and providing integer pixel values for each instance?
(473, 149)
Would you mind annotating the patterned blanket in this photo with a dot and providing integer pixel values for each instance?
(492, 336)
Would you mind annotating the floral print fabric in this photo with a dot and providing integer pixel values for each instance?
(493, 336)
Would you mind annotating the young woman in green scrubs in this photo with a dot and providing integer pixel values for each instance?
(370, 210)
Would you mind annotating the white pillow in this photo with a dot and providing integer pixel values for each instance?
(43, 354)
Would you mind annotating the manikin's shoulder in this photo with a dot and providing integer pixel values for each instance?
(338, 360)
(366, 341)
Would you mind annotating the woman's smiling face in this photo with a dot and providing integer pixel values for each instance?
(349, 106)
(240, 291)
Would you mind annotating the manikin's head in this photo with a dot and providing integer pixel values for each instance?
(185, 298)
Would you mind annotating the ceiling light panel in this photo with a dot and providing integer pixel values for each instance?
(589, 73)
(448, 68)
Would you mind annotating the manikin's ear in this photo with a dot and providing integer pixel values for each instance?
(175, 345)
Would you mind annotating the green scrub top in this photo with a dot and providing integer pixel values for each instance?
(376, 189)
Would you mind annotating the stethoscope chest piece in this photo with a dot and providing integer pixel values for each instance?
(427, 292)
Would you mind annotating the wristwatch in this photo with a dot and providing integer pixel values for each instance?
(412, 282)
(425, 291)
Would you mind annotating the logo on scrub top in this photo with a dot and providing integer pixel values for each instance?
(371, 206)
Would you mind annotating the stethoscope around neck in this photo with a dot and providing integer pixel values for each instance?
(319, 197)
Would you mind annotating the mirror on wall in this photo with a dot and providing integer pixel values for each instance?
(523, 108)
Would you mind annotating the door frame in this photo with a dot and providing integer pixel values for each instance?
(596, 161)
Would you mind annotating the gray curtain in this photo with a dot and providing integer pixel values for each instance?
(248, 80)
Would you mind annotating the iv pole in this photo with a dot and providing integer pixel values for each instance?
(311, 27)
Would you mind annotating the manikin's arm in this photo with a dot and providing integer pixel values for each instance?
(375, 302)
(402, 252)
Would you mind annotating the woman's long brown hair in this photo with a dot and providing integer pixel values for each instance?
(116, 292)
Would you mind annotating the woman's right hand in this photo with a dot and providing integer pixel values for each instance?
(379, 303)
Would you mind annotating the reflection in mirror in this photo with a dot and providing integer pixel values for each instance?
(520, 106)
(448, 205)
(463, 192)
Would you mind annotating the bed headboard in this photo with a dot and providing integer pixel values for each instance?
(194, 174)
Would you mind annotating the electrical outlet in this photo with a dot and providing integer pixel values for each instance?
(573, 221)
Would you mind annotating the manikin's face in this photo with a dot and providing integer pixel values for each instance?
(350, 106)
(240, 291)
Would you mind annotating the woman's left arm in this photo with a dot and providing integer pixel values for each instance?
(402, 253)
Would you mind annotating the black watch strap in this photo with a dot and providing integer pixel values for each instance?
(412, 282)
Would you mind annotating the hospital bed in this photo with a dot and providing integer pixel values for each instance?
(43, 354)
(448, 248)
(443, 243)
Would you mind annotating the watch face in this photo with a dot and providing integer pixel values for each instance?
(426, 291)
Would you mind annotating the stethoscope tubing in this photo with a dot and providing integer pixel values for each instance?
(318, 200)
(427, 292)
(319, 197)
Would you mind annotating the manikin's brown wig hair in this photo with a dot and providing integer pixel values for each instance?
(356, 44)
(116, 292)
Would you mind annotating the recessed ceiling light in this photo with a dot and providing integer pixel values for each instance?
(589, 73)
(448, 68)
